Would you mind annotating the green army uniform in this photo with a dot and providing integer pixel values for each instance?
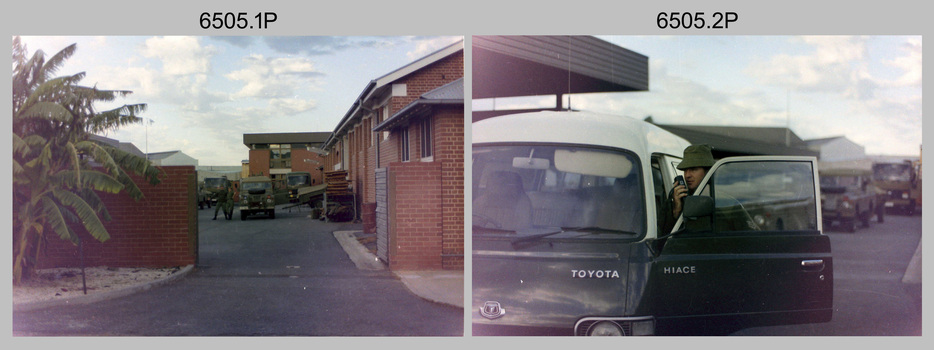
(222, 202)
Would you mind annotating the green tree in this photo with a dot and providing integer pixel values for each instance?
(58, 170)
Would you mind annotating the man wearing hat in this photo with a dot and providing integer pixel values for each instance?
(696, 162)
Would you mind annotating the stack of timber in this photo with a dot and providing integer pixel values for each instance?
(337, 183)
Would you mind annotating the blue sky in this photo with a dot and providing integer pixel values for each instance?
(204, 93)
(866, 88)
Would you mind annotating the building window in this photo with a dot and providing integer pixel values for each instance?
(425, 141)
(280, 156)
(404, 139)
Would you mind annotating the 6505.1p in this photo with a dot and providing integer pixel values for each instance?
(238, 20)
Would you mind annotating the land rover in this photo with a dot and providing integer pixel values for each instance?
(256, 196)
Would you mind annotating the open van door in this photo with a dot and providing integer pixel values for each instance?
(748, 250)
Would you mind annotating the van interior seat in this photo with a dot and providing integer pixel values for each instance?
(504, 201)
(562, 209)
(617, 207)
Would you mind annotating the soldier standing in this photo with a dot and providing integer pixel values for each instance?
(222, 200)
(228, 210)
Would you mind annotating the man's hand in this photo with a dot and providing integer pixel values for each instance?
(678, 194)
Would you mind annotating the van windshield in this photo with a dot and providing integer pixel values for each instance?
(524, 188)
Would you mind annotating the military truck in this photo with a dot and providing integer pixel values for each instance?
(257, 196)
(203, 197)
(847, 196)
(568, 236)
(213, 185)
(298, 183)
(900, 183)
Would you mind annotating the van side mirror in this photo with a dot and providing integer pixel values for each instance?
(697, 207)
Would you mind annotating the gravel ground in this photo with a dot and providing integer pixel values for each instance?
(62, 283)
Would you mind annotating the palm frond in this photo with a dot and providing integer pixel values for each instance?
(56, 221)
(91, 179)
(96, 203)
(57, 60)
(85, 212)
(41, 110)
(99, 154)
(116, 118)
(33, 140)
(43, 160)
(19, 174)
(135, 164)
(75, 161)
(19, 146)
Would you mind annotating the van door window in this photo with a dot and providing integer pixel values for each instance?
(769, 196)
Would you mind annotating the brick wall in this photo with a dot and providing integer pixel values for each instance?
(429, 78)
(415, 227)
(448, 140)
(158, 230)
(259, 162)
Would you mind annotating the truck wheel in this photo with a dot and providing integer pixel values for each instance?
(243, 215)
(272, 214)
(880, 214)
(911, 208)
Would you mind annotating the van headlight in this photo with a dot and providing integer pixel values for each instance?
(605, 328)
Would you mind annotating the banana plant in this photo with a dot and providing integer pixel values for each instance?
(58, 170)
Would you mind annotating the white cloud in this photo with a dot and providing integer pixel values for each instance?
(273, 77)
(909, 63)
(180, 55)
(427, 46)
(833, 65)
(290, 106)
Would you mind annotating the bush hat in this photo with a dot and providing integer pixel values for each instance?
(696, 156)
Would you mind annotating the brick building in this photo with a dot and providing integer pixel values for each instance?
(419, 112)
(277, 154)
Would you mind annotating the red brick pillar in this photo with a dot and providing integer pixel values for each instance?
(415, 224)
